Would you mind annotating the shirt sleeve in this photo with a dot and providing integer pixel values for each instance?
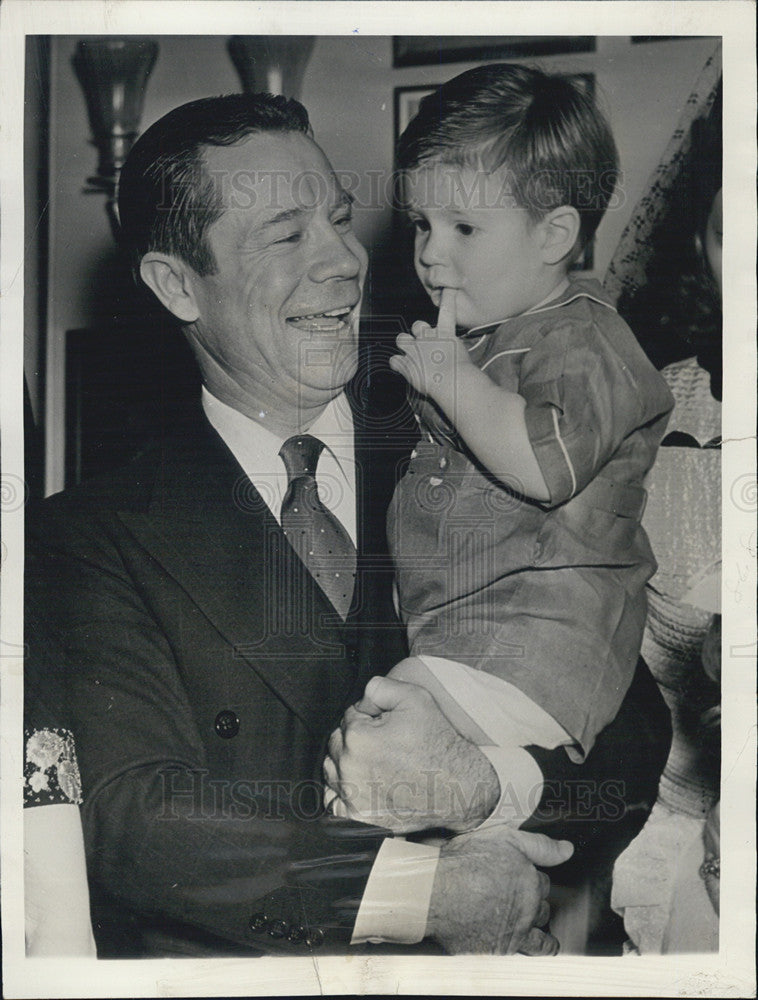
(500, 719)
(395, 904)
(582, 400)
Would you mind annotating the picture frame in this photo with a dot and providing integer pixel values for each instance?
(641, 39)
(425, 50)
(408, 99)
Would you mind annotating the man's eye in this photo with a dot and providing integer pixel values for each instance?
(292, 238)
(343, 222)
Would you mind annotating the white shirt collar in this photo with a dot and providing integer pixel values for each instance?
(256, 448)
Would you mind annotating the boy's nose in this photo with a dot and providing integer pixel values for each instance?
(432, 251)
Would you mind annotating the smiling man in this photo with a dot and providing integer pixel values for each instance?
(215, 619)
(220, 604)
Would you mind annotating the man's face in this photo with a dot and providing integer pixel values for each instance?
(471, 236)
(278, 320)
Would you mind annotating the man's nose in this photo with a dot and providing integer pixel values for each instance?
(335, 259)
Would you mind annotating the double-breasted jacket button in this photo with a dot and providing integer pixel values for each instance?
(227, 724)
(278, 929)
(258, 922)
(315, 938)
(297, 934)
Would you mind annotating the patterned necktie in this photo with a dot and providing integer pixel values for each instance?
(315, 534)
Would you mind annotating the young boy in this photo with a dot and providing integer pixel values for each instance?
(520, 559)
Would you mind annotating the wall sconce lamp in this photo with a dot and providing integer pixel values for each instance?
(272, 63)
(113, 73)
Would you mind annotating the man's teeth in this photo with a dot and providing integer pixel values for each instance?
(332, 312)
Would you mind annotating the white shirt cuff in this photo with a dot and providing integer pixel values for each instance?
(521, 784)
(395, 904)
(503, 714)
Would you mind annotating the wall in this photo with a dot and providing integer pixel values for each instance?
(348, 90)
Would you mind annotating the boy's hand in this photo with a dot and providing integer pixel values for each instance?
(432, 356)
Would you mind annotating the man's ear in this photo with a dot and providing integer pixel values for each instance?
(167, 277)
(560, 233)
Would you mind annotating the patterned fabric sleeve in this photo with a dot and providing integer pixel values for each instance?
(51, 771)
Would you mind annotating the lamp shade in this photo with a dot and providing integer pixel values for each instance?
(272, 63)
(113, 73)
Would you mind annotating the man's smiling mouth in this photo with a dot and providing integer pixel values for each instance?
(331, 321)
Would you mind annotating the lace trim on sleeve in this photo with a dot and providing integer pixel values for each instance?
(51, 770)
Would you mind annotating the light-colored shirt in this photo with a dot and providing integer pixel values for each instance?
(395, 903)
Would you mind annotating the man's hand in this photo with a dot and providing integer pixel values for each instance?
(489, 898)
(432, 357)
(397, 762)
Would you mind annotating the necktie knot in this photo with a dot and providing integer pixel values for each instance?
(300, 455)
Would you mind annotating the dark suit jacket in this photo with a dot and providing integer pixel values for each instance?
(205, 672)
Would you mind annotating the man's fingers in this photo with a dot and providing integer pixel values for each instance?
(331, 778)
(353, 715)
(386, 693)
(539, 943)
(541, 849)
(544, 881)
(543, 914)
(367, 706)
(446, 316)
(340, 809)
(334, 747)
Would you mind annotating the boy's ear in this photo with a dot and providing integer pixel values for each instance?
(167, 277)
(560, 233)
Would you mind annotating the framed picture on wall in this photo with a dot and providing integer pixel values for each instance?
(422, 50)
(408, 100)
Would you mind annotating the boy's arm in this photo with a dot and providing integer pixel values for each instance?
(490, 419)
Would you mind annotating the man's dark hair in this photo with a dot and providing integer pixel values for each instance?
(167, 200)
(547, 132)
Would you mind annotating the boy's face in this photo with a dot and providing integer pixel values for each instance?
(471, 236)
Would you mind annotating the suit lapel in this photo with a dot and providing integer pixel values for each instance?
(378, 636)
(212, 532)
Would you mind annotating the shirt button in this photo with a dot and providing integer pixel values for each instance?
(315, 938)
(278, 929)
(297, 934)
(227, 724)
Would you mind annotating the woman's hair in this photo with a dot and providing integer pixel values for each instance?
(167, 201)
(677, 312)
(547, 132)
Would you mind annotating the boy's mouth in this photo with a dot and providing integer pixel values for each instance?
(435, 293)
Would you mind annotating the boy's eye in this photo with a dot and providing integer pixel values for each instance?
(465, 229)
(419, 224)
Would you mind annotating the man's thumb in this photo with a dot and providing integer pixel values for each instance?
(382, 693)
(541, 849)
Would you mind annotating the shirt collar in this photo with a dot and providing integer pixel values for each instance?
(256, 447)
(556, 293)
